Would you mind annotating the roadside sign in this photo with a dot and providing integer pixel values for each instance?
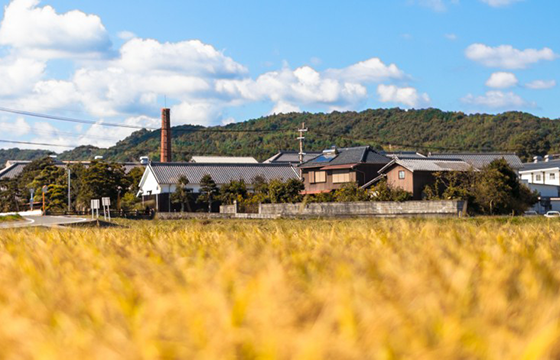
(45, 189)
(95, 204)
(106, 201)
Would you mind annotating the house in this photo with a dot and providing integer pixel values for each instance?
(336, 167)
(413, 174)
(223, 160)
(160, 179)
(545, 172)
(291, 157)
(15, 167)
(543, 175)
(479, 160)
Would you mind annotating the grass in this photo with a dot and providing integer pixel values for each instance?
(348, 289)
(9, 218)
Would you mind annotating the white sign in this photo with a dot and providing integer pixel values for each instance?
(106, 201)
(95, 204)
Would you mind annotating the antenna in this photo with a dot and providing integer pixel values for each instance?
(301, 138)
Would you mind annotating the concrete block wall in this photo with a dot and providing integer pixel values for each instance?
(410, 208)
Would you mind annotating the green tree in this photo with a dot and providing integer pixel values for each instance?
(235, 190)
(101, 179)
(350, 192)
(134, 177)
(208, 191)
(285, 192)
(383, 192)
(182, 195)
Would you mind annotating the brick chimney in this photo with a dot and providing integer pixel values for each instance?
(165, 136)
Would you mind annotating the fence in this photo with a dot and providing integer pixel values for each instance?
(373, 208)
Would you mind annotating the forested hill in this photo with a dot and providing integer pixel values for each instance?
(390, 129)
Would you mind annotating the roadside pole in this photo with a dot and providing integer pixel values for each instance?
(45, 189)
(69, 199)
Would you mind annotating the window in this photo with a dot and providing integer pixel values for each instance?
(317, 177)
(340, 177)
(401, 174)
(552, 176)
(538, 177)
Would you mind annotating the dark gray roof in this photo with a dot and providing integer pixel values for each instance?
(346, 156)
(551, 164)
(433, 165)
(291, 157)
(403, 154)
(169, 173)
(478, 161)
(15, 167)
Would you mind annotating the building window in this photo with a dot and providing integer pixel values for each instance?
(317, 177)
(538, 177)
(552, 176)
(340, 177)
(401, 174)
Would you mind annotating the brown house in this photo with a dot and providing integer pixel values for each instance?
(334, 168)
(413, 175)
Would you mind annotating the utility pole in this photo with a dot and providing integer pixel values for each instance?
(301, 138)
(69, 198)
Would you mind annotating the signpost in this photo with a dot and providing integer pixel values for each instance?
(31, 193)
(106, 208)
(45, 189)
(95, 207)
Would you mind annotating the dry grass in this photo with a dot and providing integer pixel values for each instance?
(350, 289)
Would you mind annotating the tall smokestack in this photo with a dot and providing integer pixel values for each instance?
(165, 136)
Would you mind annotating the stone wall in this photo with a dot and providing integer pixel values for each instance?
(373, 208)
(228, 209)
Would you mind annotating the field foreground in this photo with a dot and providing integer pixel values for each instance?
(352, 289)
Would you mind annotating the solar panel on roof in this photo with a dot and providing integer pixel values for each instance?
(324, 158)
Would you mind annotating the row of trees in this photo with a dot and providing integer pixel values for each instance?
(277, 191)
(494, 190)
(99, 179)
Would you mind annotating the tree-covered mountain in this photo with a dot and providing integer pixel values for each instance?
(391, 129)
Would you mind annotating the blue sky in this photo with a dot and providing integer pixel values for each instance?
(222, 61)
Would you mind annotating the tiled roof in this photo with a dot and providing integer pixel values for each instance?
(551, 164)
(15, 167)
(403, 154)
(433, 165)
(478, 161)
(291, 157)
(344, 156)
(223, 160)
(169, 173)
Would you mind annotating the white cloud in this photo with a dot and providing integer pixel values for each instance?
(500, 3)
(201, 113)
(541, 84)
(371, 70)
(507, 57)
(19, 127)
(497, 100)
(407, 96)
(502, 80)
(126, 35)
(436, 5)
(451, 37)
(19, 75)
(41, 32)
(284, 108)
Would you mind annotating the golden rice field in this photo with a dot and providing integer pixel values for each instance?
(348, 289)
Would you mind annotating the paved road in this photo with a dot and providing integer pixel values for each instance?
(42, 221)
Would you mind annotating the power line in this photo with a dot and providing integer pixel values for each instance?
(35, 143)
(67, 119)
